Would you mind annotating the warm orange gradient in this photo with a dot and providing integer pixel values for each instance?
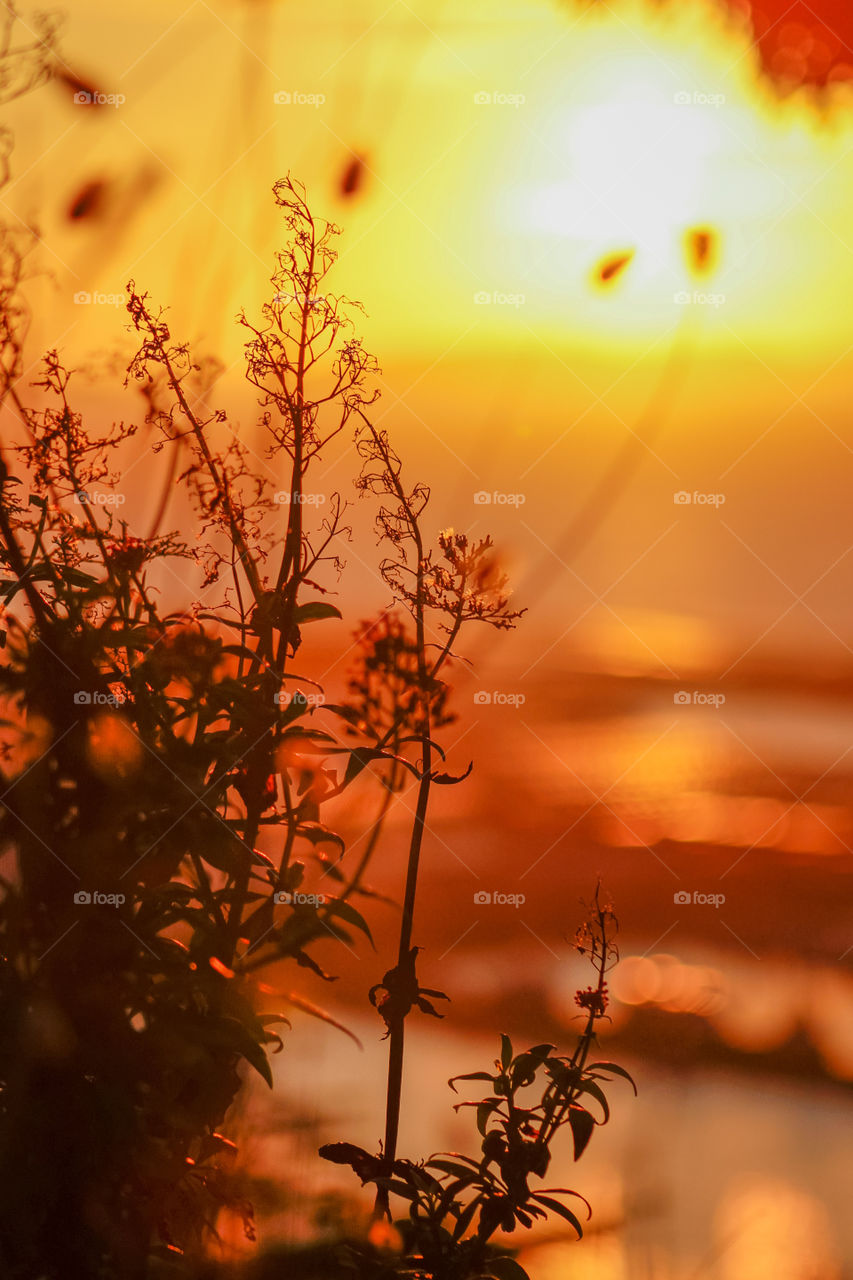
(505, 152)
(581, 233)
(475, 232)
(505, 149)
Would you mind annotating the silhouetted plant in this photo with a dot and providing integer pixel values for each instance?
(152, 761)
(457, 1203)
(166, 782)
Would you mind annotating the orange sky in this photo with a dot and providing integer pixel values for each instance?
(507, 149)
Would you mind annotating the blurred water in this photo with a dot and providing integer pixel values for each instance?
(704, 1175)
(736, 1016)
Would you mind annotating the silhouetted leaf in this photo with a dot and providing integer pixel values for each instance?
(361, 757)
(582, 1125)
(230, 1033)
(541, 1051)
(556, 1207)
(525, 1065)
(459, 1166)
(589, 1086)
(485, 1111)
(305, 961)
(505, 1269)
(615, 1069)
(426, 1007)
(346, 911)
(314, 611)
(450, 779)
(471, 1075)
(318, 834)
(348, 1153)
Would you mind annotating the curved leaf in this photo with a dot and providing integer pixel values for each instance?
(582, 1125)
(346, 911)
(315, 611)
(556, 1207)
(505, 1269)
(318, 834)
(450, 779)
(472, 1075)
(615, 1069)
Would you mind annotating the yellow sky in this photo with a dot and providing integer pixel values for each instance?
(508, 148)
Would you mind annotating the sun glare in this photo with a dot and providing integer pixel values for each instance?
(639, 172)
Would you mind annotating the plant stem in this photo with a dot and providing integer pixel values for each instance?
(397, 1029)
(397, 1036)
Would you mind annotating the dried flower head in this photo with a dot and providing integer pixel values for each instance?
(384, 682)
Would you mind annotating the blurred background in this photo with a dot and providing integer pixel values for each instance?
(605, 256)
